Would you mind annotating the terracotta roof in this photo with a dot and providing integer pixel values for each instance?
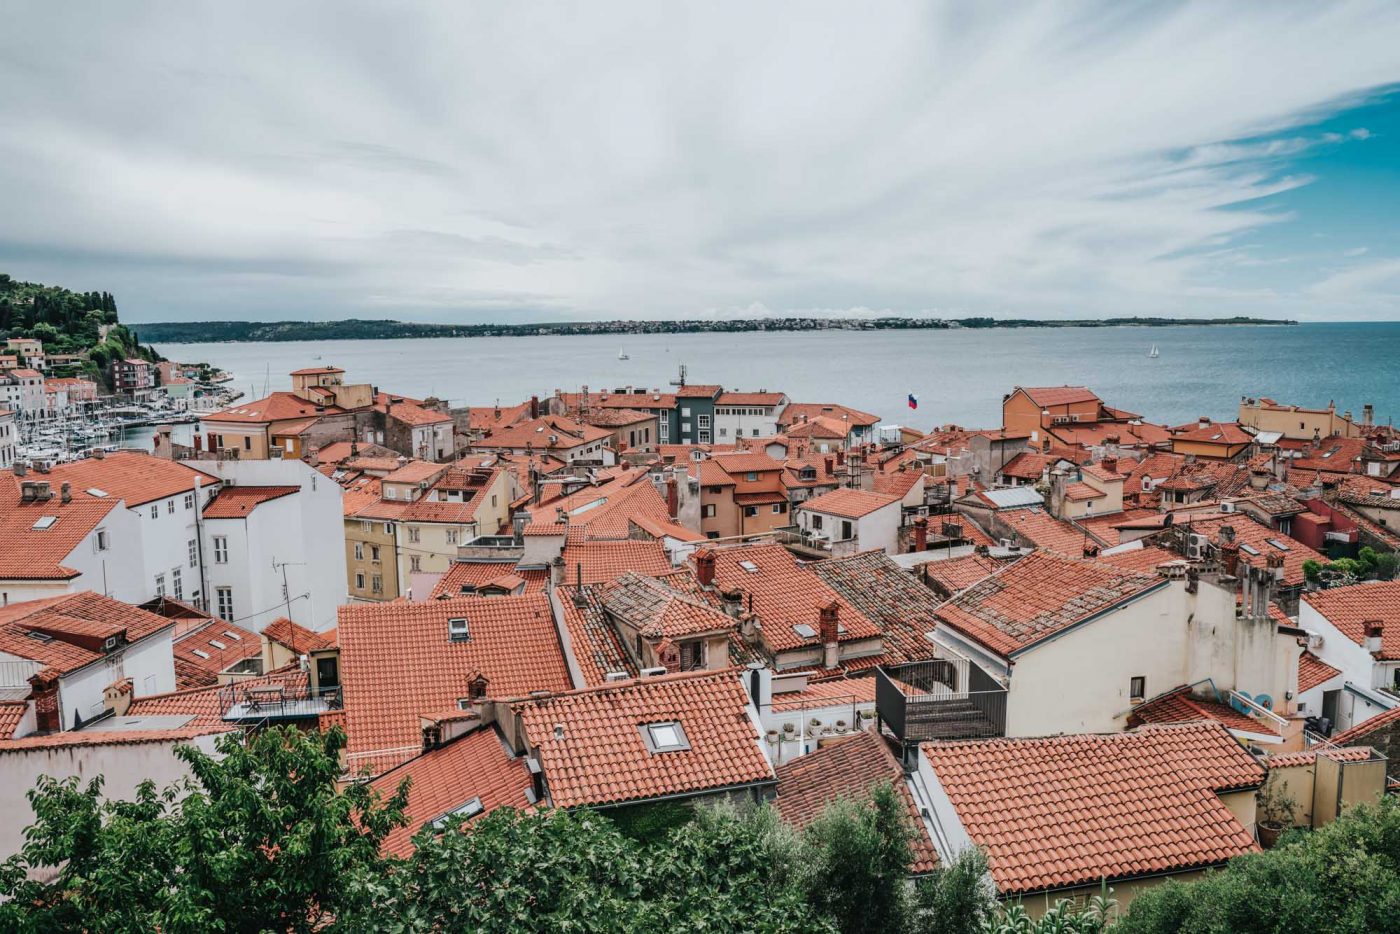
(1043, 530)
(235, 502)
(1027, 465)
(204, 704)
(477, 574)
(657, 611)
(1042, 594)
(317, 371)
(698, 391)
(475, 766)
(295, 636)
(591, 747)
(897, 483)
(278, 407)
(1383, 721)
(1181, 706)
(1349, 608)
(11, 713)
(37, 553)
(131, 476)
(536, 432)
(739, 463)
(1105, 528)
(1226, 433)
(796, 411)
(1144, 560)
(1313, 671)
(848, 768)
(848, 503)
(598, 561)
(1284, 760)
(1080, 492)
(887, 594)
(76, 625)
(786, 595)
(409, 411)
(826, 694)
(202, 653)
(415, 472)
(1059, 395)
(957, 574)
(1256, 543)
(819, 426)
(1071, 810)
(751, 398)
(397, 661)
(95, 737)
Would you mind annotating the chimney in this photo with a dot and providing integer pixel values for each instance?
(117, 696)
(921, 534)
(1230, 556)
(673, 497)
(20, 469)
(1374, 630)
(27, 491)
(534, 406)
(1368, 414)
(840, 458)
(1259, 478)
(1110, 464)
(705, 567)
(42, 492)
(1045, 445)
(827, 628)
(733, 602)
(830, 465)
(65, 492)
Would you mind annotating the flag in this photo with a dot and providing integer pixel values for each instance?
(913, 401)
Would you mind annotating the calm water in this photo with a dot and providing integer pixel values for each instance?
(959, 376)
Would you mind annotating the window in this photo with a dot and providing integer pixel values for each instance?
(247, 443)
(359, 551)
(1137, 688)
(692, 655)
(177, 586)
(846, 530)
(388, 528)
(224, 596)
(451, 536)
(751, 476)
(755, 432)
(359, 580)
(189, 500)
(779, 508)
(470, 809)
(101, 539)
(685, 411)
(816, 521)
(750, 511)
(663, 430)
(220, 549)
(457, 629)
(155, 512)
(664, 737)
(413, 534)
(374, 552)
(707, 511)
(194, 552)
(723, 432)
(703, 421)
(366, 526)
(376, 584)
(415, 564)
(160, 585)
(704, 436)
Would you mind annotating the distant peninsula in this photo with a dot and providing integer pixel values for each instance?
(180, 332)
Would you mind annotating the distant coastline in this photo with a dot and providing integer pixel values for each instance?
(177, 332)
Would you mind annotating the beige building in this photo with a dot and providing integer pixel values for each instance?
(1298, 423)
(461, 506)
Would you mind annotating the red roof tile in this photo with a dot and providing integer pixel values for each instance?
(397, 662)
(797, 411)
(831, 693)
(1313, 671)
(210, 649)
(95, 737)
(591, 747)
(1181, 706)
(598, 561)
(848, 768)
(1349, 608)
(1144, 560)
(477, 574)
(33, 553)
(957, 574)
(1071, 810)
(1038, 596)
(441, 780)
(280, 406)
(131, 476)
(1043, 530)
(11, 713)
(295, 636)
(235, 502)
(1284, 760)
(1059, 395)
(848, 503)
(1381, 722)
(77, 625)
(885, 593)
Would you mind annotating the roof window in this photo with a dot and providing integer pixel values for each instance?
(201, 653)
(749, 566)
(43, 523)
(233, 635)
(804, 630)
(667, 736)
(217, 644)
(457, 629)
(470, 809)
(1249, 549)
(1278, 544)
(94, 491)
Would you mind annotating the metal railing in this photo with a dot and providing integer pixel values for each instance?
(940, 699)
(281, 699)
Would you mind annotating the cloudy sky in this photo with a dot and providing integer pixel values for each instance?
(518, 161)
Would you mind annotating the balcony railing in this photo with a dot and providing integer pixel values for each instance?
(940, 699)
(287, 699)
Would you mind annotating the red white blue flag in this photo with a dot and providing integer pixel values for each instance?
(913, 401)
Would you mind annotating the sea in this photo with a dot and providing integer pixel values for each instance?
(956, 376)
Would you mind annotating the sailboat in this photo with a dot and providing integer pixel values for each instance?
(622, 355)
(1154, 353)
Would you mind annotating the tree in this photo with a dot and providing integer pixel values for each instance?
(1342, 878)
(259, 840)
(860, 860)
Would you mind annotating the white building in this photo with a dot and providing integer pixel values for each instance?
(747, 415)
(273, 543)
(1356, 630)
(22, 390)
(847, 521)
(8, 437)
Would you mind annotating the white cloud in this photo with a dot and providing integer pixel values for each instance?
(609, 159)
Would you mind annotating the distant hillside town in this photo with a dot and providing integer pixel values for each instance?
(1100, 650)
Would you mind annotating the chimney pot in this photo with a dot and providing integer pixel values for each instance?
(705, 567)
(66, 492)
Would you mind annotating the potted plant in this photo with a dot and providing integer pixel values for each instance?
(840, 726)
(789, 728)
(772, 736)
(1276, 809)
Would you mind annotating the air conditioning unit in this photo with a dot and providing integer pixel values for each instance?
(1314, 641)
(652, 672)
(1227, 507)
(617, 676)
(1196, 547)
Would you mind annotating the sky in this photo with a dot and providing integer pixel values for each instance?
(506, 161)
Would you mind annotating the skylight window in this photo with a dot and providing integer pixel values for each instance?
(201, 653)
(457, 629)
(43, 523)
(217, 644)
(1249, 550)
(667, 736)
(749, 566)
(470, 809)
(233, 635)
(94, 491)
(804, 630)
(1278, 544)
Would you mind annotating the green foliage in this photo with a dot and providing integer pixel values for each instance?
(67, 321)
(650, 823)
(1062, 918)
(957, 899)
(860, 859)
(1387, 565)
(1342, 878)
(258, 841)
(1312, 570)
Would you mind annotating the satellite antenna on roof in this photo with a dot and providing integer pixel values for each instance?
(680, 379)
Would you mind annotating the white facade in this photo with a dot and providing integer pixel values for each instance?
(108, 561)
(1358, 697)
(842, 535)
(170, 543)
(147, 662)
(301, 536)
(746, 421)
(8, 436)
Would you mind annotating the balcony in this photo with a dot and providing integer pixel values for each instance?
(276, 701)
(943, 698)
